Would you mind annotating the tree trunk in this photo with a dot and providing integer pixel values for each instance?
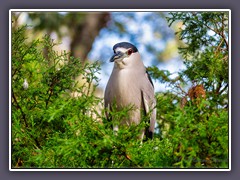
(85, 34)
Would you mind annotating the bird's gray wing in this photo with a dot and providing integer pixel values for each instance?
(149, 103)
(149, 78)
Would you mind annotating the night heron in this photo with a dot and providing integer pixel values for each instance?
(130, 84)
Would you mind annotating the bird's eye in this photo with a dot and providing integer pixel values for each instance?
(129, 52)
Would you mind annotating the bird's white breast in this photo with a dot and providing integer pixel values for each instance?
(125, 88)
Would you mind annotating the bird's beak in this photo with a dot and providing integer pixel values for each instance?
(117, 56)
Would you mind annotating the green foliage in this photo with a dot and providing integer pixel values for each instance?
(197, 138)
(58, 122)
(196, 120)
(193, 116)
(46, 111)
(54, 128)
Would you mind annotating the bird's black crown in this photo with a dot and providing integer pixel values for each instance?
(125, 45)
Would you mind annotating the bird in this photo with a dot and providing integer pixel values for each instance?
(130, 85)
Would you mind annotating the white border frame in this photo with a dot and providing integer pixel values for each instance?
(116, 10)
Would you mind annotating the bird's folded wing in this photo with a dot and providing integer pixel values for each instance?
(149, 103)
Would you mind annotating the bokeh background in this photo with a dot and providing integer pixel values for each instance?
(90, 36)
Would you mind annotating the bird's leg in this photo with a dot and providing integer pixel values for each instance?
(141, 136)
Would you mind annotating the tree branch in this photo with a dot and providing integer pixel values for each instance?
(19, 107)
(216, 31)
(51, 90)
